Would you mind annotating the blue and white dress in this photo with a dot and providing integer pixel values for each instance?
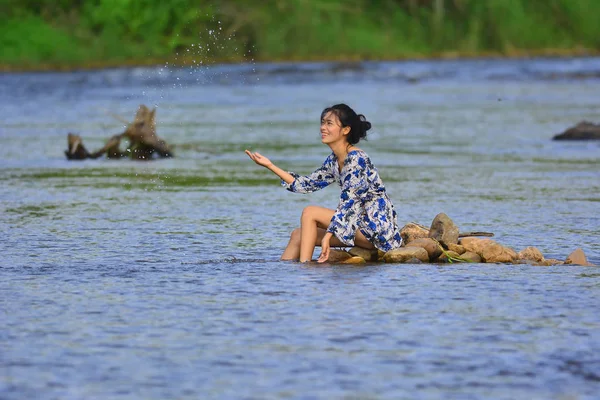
(364, 203)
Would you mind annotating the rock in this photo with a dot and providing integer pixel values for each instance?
(336, 256)
(444, 257)
(456, 248)
(443, 230)
(367, 255)
(489, 250)
(412, 231)
(550, 261)
(470, 243)
(354, 260)
(431, 246)
(469, 256)
(404, 254)
(531, 254)
(577, 257)
(582, 131)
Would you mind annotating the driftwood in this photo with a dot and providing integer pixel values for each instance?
(461, 234)
(467, 234)
(141, 134)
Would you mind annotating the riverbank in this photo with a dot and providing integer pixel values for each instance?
(89, 35)
(191, 61)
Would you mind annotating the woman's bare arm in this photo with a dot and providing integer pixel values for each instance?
(265, 162)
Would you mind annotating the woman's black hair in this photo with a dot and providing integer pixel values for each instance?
(357, 122)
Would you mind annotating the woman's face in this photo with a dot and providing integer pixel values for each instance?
(332, 130)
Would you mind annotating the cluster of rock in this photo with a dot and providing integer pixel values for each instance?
(443, 243)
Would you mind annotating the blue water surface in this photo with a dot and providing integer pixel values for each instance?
(154, 280)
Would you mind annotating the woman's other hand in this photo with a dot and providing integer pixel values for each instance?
(325, 248)
(259, 159)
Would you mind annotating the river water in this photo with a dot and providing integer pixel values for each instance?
(154, 280)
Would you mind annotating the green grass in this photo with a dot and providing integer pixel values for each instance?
(79, 33)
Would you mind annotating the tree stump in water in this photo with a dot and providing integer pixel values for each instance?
(141, 134)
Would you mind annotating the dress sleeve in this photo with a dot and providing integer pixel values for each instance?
(319, 179)
(344, 222)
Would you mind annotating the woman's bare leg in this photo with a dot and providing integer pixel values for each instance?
(292, 251)
(314, 222)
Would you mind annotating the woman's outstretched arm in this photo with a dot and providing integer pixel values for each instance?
(265, 162)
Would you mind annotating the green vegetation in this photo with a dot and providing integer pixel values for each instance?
(86, 33)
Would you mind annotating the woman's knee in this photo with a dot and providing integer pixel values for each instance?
(309, 213)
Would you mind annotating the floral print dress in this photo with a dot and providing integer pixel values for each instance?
(364, 203)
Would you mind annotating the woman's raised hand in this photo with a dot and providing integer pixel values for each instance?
(259, 159)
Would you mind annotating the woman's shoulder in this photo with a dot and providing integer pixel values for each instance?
(358, 156)
(356, 152)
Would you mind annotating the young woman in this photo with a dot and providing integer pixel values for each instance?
(365, 216)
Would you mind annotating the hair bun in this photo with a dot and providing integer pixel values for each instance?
(365, 125)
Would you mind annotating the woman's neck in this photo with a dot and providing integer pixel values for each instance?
(341, 150)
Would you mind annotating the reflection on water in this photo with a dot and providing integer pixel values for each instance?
(122, 279)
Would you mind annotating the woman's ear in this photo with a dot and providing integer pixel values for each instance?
(345, 130)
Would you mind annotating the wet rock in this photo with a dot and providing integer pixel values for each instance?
(456, 248)
(470, 243)
(443, 230)
(412, 231)
(354, 260)
(547, 262)
(469, 256)
(577, 257)
(531, 254)
(444, 257)
(367, 255)
(404, 254)
(489, 250)
(336, 256)
(582, 131)
(431, 246)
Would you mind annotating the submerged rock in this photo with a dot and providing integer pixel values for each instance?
(336, 256)
(582, 131)
(354, 260)
(549, 262)
(531, 254)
